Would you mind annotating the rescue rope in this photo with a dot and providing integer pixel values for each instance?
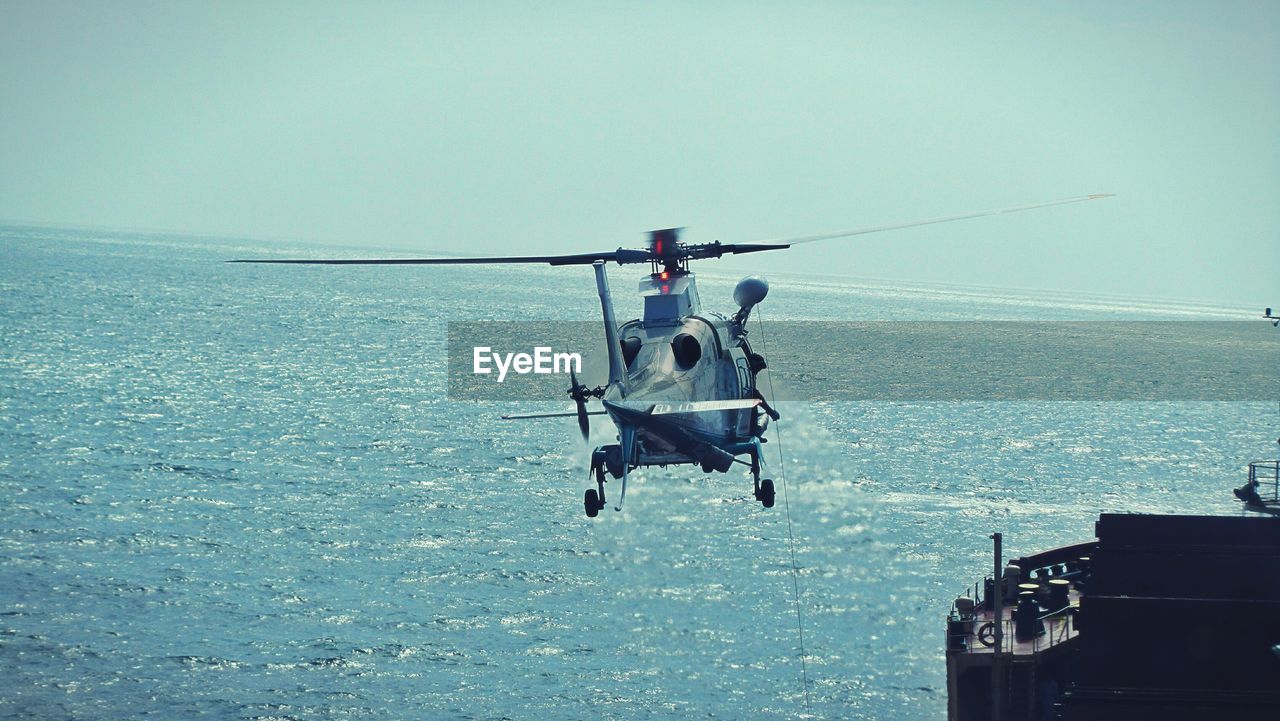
(791, 539)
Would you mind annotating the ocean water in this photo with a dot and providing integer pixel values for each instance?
(241, 492)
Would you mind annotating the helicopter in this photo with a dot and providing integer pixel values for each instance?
(682, 385)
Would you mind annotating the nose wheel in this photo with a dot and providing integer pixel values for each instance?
(592, 503)
(765, 493)
(763, 488)
(593, 500)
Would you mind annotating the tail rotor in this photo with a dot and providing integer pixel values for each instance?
(580, 393)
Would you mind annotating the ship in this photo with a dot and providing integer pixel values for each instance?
(1170, 617)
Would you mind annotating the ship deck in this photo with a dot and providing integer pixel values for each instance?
(1058, 628)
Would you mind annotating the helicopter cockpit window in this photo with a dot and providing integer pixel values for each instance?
(687, 350)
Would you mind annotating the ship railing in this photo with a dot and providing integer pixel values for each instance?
(973, 631)
(1059, 627)
(1063, 562)
(1264, 476)
(970, 615)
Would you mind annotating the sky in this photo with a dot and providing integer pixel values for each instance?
(559, 127)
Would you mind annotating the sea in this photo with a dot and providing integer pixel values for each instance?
(244, 492)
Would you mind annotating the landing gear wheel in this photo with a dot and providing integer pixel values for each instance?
(765, 495)
(591, 503)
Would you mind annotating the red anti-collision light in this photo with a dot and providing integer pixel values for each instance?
(666, 288)
(664, 275)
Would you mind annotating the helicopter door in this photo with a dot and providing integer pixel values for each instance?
(742, 373)
(735, 382)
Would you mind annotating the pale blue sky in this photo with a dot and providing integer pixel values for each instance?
(563, 127)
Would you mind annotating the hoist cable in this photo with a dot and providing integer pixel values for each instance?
(791, 539)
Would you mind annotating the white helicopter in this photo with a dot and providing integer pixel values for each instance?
(682, 382)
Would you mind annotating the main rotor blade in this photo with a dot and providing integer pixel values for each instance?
(621, 255)
(531, 416)
(914, 223)
(752, 247)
